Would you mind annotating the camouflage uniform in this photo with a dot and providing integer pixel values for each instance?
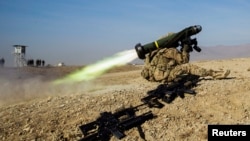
(164, 65)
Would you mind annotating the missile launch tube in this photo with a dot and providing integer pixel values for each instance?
(168, 41)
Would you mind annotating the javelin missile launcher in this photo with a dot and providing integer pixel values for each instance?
(170, 41)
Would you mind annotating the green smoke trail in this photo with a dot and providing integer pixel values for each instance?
(94, 70)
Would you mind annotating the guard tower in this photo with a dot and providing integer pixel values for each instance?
(19, 54)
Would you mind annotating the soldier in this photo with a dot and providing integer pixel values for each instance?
(164, 65)
(43, 63)
(2, 61)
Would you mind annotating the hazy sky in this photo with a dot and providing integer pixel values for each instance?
(83, 31)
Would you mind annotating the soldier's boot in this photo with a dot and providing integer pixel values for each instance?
(220, 74)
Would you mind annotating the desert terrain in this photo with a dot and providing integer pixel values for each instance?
(33, 109)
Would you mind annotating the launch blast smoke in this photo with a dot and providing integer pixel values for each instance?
(94, 70)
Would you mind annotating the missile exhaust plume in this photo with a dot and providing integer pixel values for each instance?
(92, 71)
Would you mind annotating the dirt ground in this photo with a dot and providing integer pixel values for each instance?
(32, 108)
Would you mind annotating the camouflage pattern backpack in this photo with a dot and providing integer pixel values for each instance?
(156, 66)
(147, 72)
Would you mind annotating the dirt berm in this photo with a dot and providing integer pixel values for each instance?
(33, 109)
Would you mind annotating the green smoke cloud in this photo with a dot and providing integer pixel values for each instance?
(94, 70)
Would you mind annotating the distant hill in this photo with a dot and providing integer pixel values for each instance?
(221, 52)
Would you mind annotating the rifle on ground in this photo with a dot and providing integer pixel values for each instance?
(167, 92)
(116, 123)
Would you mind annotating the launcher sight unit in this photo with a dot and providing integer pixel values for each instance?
(174, 40)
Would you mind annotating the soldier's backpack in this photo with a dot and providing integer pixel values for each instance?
(152, 60)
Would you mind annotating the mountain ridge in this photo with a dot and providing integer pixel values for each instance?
(221, 52)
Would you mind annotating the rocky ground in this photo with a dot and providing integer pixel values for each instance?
(32, 108)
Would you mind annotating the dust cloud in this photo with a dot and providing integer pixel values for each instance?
(19, 85)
